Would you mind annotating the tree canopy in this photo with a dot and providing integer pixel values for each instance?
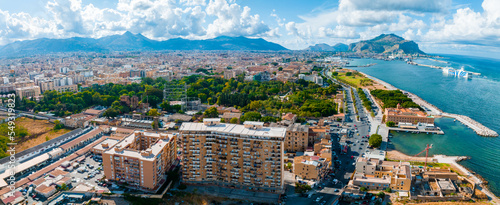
(375, 140)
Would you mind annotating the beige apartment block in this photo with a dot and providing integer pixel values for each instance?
(248, 156)
(297, 138)
(140, 159)
(310, 167)
(28, 92)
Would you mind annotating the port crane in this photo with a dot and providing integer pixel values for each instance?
(426, 150)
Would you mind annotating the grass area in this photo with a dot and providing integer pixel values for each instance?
(433, 164)
(352, 78)
(39, 131)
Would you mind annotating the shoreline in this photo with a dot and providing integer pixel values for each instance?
(452, 161)
(479, 128)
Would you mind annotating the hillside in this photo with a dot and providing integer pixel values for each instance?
(386, 43)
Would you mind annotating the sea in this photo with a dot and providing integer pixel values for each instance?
(478, 98)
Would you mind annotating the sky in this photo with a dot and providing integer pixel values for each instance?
(468, 27)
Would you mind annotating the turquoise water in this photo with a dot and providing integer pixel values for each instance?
(478, 98)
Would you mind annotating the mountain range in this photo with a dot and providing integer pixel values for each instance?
(132, 42)
(339, 47)
(385, 43)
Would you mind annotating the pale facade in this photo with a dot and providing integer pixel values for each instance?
(247, 156)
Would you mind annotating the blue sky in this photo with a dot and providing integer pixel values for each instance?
(438, 26)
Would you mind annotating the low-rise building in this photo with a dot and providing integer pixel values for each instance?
(310, 167)
(407, 115)
(378, 174)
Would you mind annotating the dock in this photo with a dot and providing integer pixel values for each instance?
(437, 67)
(437, 131)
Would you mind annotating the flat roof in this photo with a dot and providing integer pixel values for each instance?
(235, 129)
(155, 148)
(110, 141)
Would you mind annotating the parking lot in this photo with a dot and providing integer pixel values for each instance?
(89, 173)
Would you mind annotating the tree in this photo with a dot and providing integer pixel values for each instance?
(363, 188)
(222, 120)
(58, 125)
(388, 190)
(64, 187)
(153, 112)
(288, 165)
(375, 140)
(390, 124)
(301, 188)
(348, 74)
(280, 68)
(381, 195)
(211, 112)
(234, 120)
(250, 116)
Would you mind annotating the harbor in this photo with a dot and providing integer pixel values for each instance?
(437, 67)
(431, 109)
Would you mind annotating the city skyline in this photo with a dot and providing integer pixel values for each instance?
(456, 27)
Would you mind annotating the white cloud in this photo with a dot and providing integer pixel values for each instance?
(157, 19)
(468, 27)
(232, 20)
(417, 6)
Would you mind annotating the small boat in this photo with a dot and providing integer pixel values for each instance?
(427, 132)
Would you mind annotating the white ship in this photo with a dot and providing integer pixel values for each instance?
(459, 73)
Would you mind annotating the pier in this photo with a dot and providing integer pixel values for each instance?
(467, 121)
(476, 126)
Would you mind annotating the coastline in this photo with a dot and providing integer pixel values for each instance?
(467, 121)
(451, 160)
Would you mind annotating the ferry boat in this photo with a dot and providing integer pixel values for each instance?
(459, 73)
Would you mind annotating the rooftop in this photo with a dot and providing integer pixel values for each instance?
(235, 129)
(122, 147)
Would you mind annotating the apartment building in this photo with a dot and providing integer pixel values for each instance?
(140, 159)
(310, 167)
(28, 92)
(297, 138)
(407, 115)
(248, 156)
(378, 174)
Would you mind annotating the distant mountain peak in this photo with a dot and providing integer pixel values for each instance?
(386, 43)
(339, 47)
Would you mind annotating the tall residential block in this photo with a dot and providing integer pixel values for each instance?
(248, 156)
(140, 159)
